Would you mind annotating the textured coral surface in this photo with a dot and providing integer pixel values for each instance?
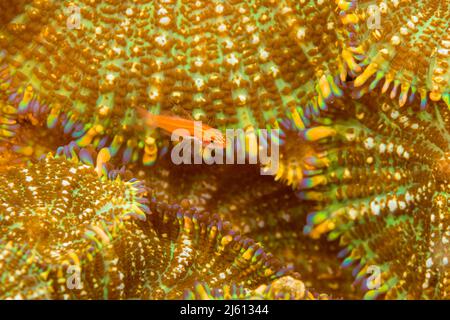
(92, 205)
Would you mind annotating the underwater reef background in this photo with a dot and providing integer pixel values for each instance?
(92, 207)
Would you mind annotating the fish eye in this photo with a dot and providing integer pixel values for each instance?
(212, 139)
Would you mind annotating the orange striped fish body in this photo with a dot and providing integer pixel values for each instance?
(170, 124)
(204, 132)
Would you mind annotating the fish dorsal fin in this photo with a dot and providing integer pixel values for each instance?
(178, 112)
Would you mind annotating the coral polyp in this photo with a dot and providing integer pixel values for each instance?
(302, 155)
(335, 185)
(88, 66)
(285, 288)
(62, 215)
(386, 189)
(65, 215)
(402, 45)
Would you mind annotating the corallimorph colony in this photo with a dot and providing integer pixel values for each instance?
(92, 207)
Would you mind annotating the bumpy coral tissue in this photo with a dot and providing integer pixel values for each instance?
(93, 205)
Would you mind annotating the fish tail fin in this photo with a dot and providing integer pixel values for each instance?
(147, 117)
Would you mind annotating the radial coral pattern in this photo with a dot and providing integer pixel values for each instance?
(268, 212)
(66, 217)
(81, 233)
(385, 195)
(285, 288)
(358, 205)
(403, 45)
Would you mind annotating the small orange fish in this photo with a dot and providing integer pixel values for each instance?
(169, 124)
